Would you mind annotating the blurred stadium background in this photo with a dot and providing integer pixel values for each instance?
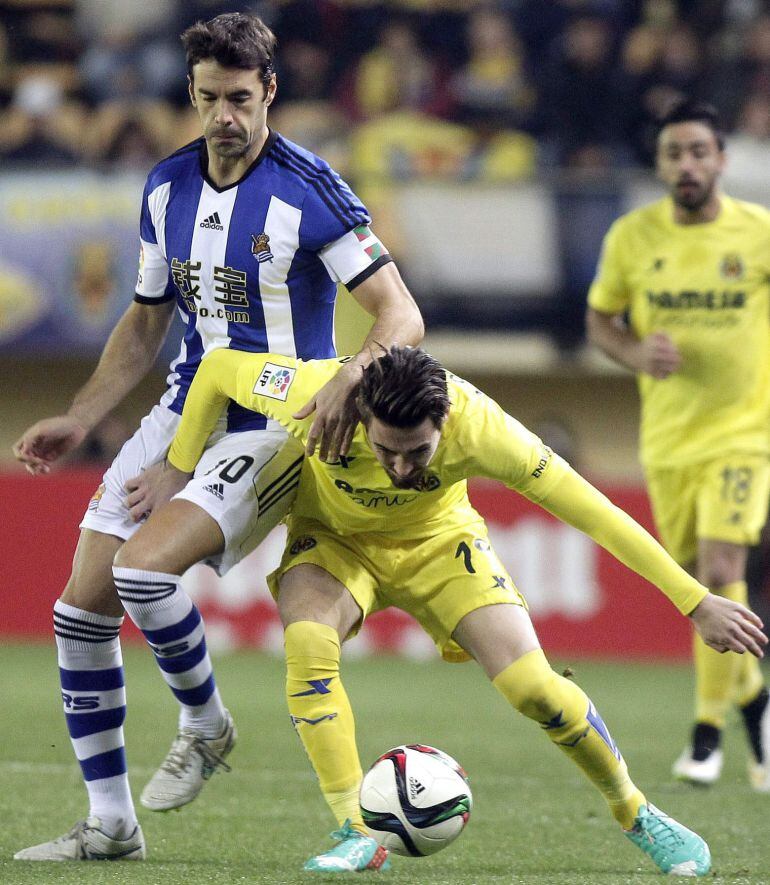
(494, 144)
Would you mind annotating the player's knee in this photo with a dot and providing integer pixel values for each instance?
(720, 569)
(535, 698)
(312, 646)
(136, 553)
(92, 594)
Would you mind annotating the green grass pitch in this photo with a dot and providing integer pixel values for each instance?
(535, 820)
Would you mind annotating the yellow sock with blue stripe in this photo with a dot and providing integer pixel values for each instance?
(722, 680)
(570, 720)
(321, 714)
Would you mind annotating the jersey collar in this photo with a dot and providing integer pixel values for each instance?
(725, 210)
(204, 163)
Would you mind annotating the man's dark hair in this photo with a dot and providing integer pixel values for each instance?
(234, 40)
(403, 387)
(689, 111)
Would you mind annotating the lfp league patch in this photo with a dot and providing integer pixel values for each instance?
(275, 381)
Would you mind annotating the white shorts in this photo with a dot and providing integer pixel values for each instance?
(245, 481)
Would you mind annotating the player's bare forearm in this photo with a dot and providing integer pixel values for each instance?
(397, 322)
(397, 318)
(127, 357)
(611, 335)
(655, 354)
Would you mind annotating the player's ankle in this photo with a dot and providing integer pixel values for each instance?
(118, 827)
(626, 812)
(705, 740)
(209, 727)
(752, 714)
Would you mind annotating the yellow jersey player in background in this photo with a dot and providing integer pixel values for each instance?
(682, 297)
(390, 524)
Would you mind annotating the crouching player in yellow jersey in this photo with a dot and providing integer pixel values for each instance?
(693, 273)
(390, 524)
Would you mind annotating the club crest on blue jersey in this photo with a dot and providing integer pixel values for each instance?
(260, 247)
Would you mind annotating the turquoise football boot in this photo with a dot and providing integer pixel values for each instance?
(673, 848)
(353, 853)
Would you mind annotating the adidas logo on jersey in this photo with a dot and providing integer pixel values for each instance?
(212, 222)
(216, 489)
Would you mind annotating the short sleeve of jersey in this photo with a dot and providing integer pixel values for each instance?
(152, 285)
(329, 211)
(609, 292)
(497, 446)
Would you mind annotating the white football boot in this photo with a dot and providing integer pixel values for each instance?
(703, 773)
(87, 841)
(190, 762)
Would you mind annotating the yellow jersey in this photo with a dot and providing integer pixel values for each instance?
(708, 287)
(354, 494)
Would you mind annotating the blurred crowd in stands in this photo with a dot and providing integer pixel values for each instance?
(473, 90)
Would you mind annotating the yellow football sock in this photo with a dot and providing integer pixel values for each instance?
(321, 714)
(345, 805)
(572, 723)
(722, 680)
(750, 680)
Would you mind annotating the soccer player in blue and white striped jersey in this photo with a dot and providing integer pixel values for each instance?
(248, 236)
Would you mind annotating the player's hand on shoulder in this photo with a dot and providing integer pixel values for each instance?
(48, 440)
(658, 356)
(336, 415)
(725, 625)
(153, 488)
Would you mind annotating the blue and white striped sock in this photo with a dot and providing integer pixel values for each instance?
(174, 630)
(91, 673)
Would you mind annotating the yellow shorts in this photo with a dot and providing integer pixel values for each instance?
(723, 500)
(437, 580)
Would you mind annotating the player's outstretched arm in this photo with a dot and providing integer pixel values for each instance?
(725, 625)
(128, 355)
(575, 501)
(397, 321)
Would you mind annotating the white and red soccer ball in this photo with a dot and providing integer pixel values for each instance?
(415, 800)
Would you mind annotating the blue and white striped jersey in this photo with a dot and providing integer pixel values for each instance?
(253, 266)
